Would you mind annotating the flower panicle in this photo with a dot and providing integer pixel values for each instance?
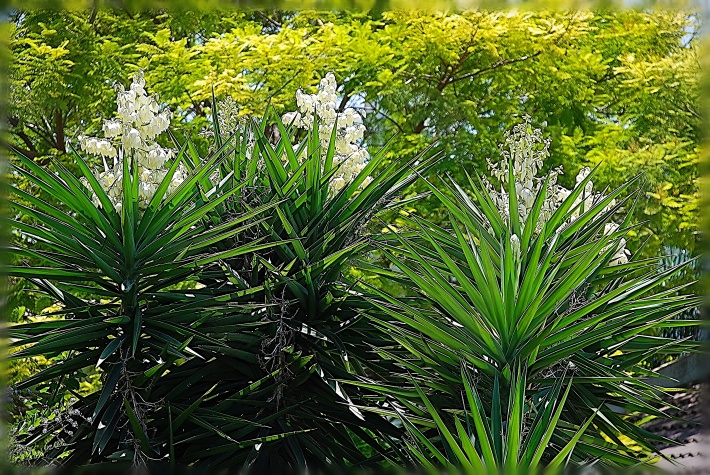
(131, 135)
(525, 150)
(350, 154)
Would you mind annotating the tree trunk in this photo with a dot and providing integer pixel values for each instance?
(59, 130)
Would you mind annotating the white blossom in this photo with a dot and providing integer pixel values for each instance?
(515, 245)
(525, 150)
(100, 147)
(621, 256)
(111, 128)
(350, 156)
(131, 135)
(132, 139)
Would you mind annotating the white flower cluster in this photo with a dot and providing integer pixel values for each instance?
(525, 149)
(621, 256)
(350, 156)
(586, 200)
(230, 122)
(229, 119)
(132, 135)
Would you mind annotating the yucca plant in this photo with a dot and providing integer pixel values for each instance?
(114, 257)
(312, 335)
(531, 291)
(476, 442)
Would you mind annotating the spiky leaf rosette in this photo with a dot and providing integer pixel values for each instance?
(548, 296)
(313, 336)
(114, 276)
(511, 440)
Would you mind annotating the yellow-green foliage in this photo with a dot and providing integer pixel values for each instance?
(17, 370)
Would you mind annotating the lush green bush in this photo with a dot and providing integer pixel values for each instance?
(214, 296)
(112, 257)
(529, 329)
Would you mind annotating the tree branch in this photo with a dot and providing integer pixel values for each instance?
(41, 134)
(31, 151)
(269, 20)
(344, 100)
(496, 65)
(94, 11)
(379, 111)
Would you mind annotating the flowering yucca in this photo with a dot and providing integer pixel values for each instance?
(311, 335)
(529, 325)
(246, 368)
(132, 136)
(270, 362)
(114, 275)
